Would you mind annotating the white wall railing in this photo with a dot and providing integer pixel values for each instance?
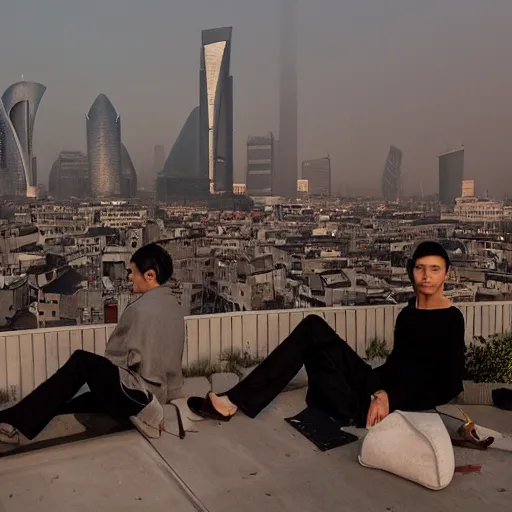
(259, 332)
(27, 358)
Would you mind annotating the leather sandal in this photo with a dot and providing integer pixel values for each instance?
(469, 437)
(203, 407)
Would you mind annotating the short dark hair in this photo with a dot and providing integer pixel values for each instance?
(153, 257)
(427, 248)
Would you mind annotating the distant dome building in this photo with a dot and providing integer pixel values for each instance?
(104, 148)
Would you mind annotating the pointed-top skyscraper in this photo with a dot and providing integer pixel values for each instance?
(287, 164)
(104, 148)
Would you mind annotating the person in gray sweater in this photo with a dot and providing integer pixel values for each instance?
(140, 371)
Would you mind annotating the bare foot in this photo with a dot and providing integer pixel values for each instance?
(223, 405)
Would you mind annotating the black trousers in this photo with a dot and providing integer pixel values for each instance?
(55, 396)
(339, 381)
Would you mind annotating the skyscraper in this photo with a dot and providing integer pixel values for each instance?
(128, 175)
(181, 178)
(286, 174)
(69, 176)
(216, 110)
(451, 175)
(318, 174)
(104, 148)
(391, 177)
(18, 109)
(260, 165)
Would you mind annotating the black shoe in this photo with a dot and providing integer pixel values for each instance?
(203, 407)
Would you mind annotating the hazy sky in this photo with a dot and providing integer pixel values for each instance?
(426, 76)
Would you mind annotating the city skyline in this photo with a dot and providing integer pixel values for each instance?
(421, 76)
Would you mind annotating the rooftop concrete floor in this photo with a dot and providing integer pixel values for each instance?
(247, 465)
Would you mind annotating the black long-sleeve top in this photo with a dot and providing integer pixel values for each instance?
(426, 367)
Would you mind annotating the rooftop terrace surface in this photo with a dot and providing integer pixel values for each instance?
(247, 465)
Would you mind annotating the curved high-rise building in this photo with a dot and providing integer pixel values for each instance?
(183, 160)
(180, 177)
(216, 110)
(128, 175)
(392, 175)
(18, 111)
(104, 148)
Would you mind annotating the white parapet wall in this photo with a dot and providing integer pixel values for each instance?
(27, 358)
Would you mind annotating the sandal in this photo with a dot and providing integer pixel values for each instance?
(203, 407)
(469, 437)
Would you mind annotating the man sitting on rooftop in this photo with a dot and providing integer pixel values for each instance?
(141, 368)
(424, 370)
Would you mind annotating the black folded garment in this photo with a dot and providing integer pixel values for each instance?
(322, 430)
(502, 398)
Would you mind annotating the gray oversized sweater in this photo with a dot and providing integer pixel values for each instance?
(147, 344)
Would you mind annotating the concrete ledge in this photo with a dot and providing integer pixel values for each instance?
(479, 393)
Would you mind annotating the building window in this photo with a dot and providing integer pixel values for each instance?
(54, 314)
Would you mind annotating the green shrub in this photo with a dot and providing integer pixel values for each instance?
(490, 360)
(235, 358)
(377, 349)
(201, 369)
(4, 397)
(230, 361)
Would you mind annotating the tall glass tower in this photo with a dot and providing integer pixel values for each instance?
(391, 177)
(18, 109)
(104, 148)
(216, 110)
(287, 163)
(451, 174)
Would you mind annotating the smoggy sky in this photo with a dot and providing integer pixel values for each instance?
(426, 76)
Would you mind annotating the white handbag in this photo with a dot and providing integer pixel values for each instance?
(412, 445)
